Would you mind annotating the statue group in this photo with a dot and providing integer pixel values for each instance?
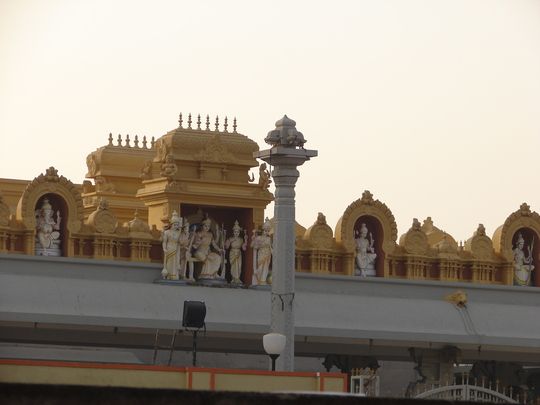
(523, 264)
(204, 251)
(365, 253)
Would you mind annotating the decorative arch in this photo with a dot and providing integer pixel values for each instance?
(367, 206)
(503, 235)
(480, 245)
(320, 234)
(382, 219)
(51, 183)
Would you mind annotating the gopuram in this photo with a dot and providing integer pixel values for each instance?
(187, 200)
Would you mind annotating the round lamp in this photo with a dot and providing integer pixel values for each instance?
(274, 343)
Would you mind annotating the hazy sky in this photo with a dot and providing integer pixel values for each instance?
(434, 106)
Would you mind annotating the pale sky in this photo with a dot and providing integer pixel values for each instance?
(434, 106)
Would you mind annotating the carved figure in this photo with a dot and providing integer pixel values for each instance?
(184, 242)
(146, 171)
(47, 230)
(523, 265)
(262, 254)
(171, 249)
(264, 177)
(236, 244)
(365, 253)
(202, 243)
(169, 168)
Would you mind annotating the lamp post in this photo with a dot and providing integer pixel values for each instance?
(273, 344)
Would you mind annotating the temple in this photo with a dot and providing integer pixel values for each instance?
(142, 197)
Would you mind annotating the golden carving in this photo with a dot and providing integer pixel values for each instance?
(215, 151)
(415, 240)
(480, 245)
(102, 219)
(320, 234)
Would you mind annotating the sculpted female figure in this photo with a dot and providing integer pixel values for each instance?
(183, 243)
(203, 242)
(262, 254)
(365, 253)
(47, 228)
(236, 244)
(171, 249)
(522, 264)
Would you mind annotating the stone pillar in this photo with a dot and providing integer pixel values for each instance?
(286, 154)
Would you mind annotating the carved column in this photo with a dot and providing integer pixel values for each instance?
(285, 156)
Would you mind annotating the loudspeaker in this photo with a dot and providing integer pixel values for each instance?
(194, 314)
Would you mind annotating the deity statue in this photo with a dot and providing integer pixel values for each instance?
(168, 168)
(236, 244)
(205, 249)
(523, 265)
(262, 254)
(171, 249)
(184, 241)
(365, 253)
(47, 231)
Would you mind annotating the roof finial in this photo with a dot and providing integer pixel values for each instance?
(136, 142)
(217, 123)
(180, 120)
(207, 122)
(119, 140)
(225, 125)
(189, 121)
(198, 121)
(127, 141)
(234, 125)
(144, 143)
(152, 143)
(110, 139)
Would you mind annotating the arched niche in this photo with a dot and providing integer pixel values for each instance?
(66, 198)
(527, 223)
(378, 217)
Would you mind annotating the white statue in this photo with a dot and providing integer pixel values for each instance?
(236, 244)
(184, 241)
(171, 249)
(204, 248)
(47, 231)
(365, 253)
(262, 254)
(523, 265)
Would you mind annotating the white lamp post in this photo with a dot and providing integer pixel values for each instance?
(274, 343)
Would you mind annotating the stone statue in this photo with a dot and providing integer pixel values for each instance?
(47, 231)
(365, 253)
(204, 249)
(523, 265)
(264, 177)
(171, 249)
(168, 168)
(262, 254)
(236, 244)
(184, 242)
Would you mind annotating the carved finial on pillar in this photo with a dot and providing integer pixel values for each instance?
(136, 142)
(189, 121)
(207, 122)
(144, 142)
(127, 141)
(225, 125)
(110, 139)
(217, 123)
(285, 134)
(198, 121)
(234, 125)
(152, 143)
(180, 120)
(119, 140)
